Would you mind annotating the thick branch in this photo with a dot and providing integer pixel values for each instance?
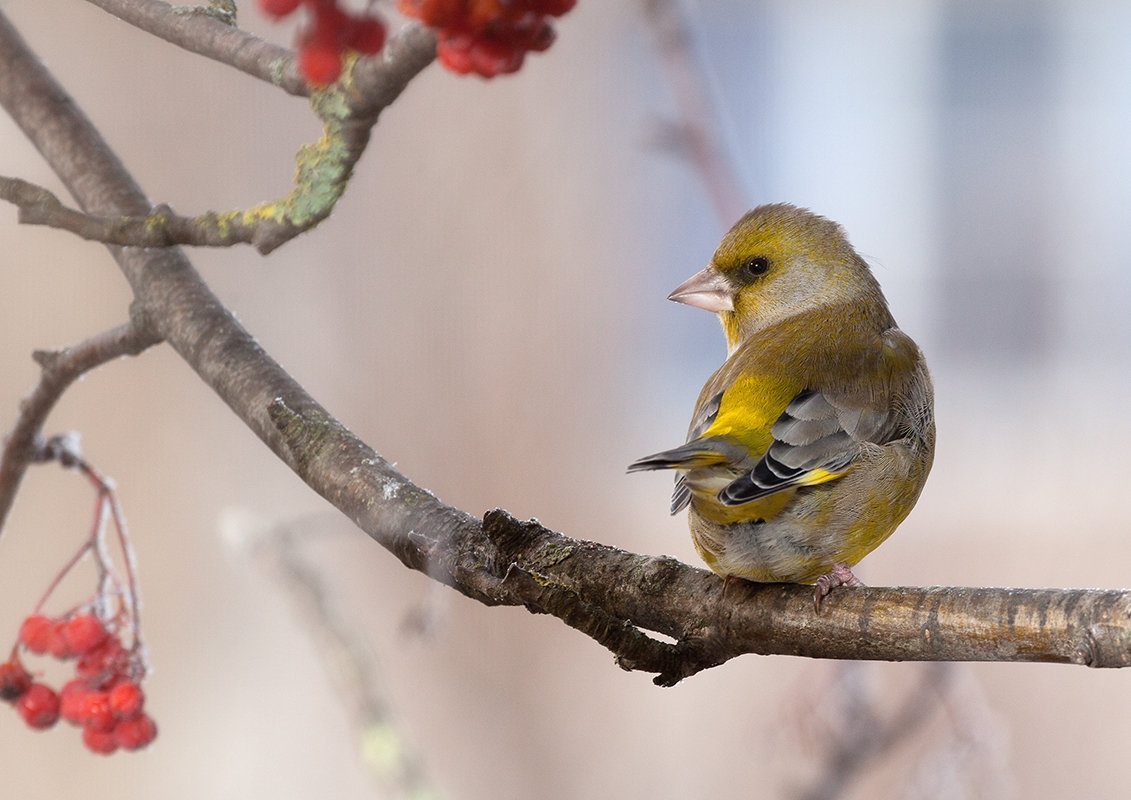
(612, 595)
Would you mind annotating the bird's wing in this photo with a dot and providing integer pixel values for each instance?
(814, 441)
(821, 433)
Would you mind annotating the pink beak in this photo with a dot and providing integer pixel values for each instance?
(707, 289)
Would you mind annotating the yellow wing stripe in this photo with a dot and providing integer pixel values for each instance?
(815, 476)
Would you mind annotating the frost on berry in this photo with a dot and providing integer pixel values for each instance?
(39, 706)
(14, 680)
(104, 664)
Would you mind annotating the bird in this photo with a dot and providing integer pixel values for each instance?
(813, 440)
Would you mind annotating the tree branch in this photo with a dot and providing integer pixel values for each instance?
(60, 369)
(348, 110)
(211, 37)
(612, 595)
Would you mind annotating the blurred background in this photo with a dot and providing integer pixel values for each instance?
(486, 308)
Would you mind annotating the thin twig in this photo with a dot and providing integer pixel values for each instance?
(347, 109)
(696, 134)
(60, 369)
(386, 752)
(209, 36)
(867, 738)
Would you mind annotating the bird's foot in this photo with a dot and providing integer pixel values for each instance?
(727, 581)
(839, 575)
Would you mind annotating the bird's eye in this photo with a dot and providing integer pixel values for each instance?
(755, 266)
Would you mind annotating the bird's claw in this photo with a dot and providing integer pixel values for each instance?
(839, 575)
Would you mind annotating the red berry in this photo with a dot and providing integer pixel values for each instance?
(555, 8)
(97, 741)
(330, 22)
(14, 680)
(433, 13)
(72, 699)
(135, 732)
(481, 13)
(57, 644)
(453, 48)
(39, 706)
(366, 35)
(96, 711)
(537, 36)
(35, 633)
(319, 65)
(84, 633)
(278, 8)
(126, 699)
(491, 57)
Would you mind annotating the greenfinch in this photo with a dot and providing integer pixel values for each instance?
(813, 440)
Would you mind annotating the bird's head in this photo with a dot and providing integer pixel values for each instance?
(777, 261)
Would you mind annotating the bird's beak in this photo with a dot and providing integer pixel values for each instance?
(708, 290)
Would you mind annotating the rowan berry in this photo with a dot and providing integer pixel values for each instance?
(102, 665)
(14, 680)
(97, 741)
(35, 633)
(39, 706)
(96, 711)
(72, 699)
(136, 732)
(365, 35)
(84, 632)
(126, 699)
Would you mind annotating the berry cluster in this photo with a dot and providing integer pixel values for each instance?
(487, 37)
(333, 31)
(104, 698)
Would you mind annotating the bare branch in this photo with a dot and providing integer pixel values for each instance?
(209, 36)
(24, 444)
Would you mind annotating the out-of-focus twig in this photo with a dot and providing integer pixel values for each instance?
(695, 134)
(343, 649)
(865, 737)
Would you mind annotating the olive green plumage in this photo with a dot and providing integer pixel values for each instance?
(813, 440)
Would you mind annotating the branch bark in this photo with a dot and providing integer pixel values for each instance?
(614, 596)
